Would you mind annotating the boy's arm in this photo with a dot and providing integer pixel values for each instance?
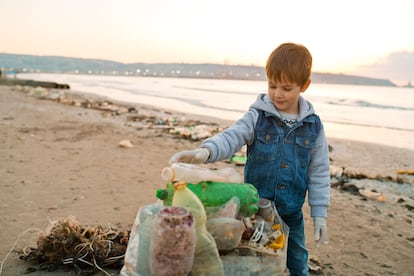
(319, 177)
(319, 188)
(224, 144)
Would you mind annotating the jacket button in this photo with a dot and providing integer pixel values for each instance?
(267, 137)
(280, 123)
(283, 165)
(280, 187)
(307, 142)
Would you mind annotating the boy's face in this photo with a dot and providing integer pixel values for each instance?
(285, 96)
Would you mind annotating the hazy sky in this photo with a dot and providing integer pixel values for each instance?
(342, 35)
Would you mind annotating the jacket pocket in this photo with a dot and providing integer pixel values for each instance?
(304, 146)
(267, 145)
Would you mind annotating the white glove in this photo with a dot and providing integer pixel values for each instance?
(321, 230)
(197, 156)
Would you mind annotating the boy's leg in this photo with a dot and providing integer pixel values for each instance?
(297, 254)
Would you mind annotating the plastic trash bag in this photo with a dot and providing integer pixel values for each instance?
(226, 231)
(229, 210)
(136, 261)
(252, 256)
(264, 252)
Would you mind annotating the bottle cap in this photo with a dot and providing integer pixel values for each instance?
(161, 194)
(264, 203)
(168, 174)
(180, 185)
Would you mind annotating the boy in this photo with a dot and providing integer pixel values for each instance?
(287, 151)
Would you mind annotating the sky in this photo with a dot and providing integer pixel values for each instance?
(373, 38)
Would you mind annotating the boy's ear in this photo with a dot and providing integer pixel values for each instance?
(305, 86)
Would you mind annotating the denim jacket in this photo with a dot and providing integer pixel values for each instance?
(283, 163)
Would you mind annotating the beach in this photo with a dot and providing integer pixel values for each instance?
(60, 160)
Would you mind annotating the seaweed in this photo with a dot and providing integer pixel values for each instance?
(86, 249)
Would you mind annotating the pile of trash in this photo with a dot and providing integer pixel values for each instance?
(214, 226)
(207, 228)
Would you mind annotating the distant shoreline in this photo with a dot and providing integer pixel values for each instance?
(14, 64)
(321, 78)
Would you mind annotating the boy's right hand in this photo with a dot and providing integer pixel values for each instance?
(197, 156)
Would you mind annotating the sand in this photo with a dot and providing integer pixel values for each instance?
(59, 160)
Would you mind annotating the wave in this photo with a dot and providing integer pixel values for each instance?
(367, 125)
(362, 103)
(217, 90)
(342, 102)
(156, 94)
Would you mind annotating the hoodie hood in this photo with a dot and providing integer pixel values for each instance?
(264, 103)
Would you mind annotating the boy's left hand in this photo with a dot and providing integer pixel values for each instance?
(321, 230)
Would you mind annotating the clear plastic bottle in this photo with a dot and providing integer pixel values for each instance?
(206, 259)
(194, 174)
(173, 242)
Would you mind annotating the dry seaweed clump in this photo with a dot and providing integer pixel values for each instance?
(85, 249)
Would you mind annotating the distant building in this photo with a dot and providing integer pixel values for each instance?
(408, 84)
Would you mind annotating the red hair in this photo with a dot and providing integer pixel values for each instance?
(289, 62)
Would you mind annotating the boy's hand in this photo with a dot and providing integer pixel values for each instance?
(321, 230)
(197, 156)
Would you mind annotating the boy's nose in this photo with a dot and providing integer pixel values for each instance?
(278, 93)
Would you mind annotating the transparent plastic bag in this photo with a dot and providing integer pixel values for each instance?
(152, 243)
(248, 258)
(229, 210)
(226, 231)
(136, 261)
(252, 265)
(264, 252)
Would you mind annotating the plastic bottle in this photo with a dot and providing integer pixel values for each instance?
(218, 193)
(266, 210)
(206, 259)
(173, 242)
(194, 174)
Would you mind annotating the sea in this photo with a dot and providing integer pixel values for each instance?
(374, 114)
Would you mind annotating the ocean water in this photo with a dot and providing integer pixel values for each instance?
(381, 115)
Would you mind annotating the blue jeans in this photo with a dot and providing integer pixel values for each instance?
(297, 254)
